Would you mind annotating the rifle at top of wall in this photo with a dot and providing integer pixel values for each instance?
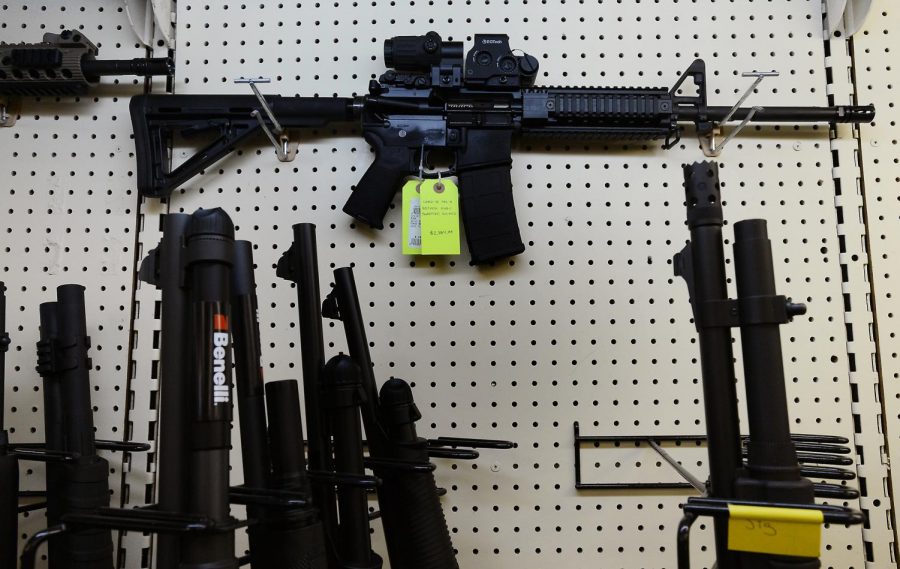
(437, 98)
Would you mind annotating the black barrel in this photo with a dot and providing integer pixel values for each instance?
(707, 271)
(209, 254)
(286, 436)
(358, 345)
(248, 376)
(163, 268)
(292, 538)
(773, 472)
(147, 67)
(76, 385)
(341, 380)
(9, 464)
(300, 264)
(54, 439)
(4, 346)
(415, 529)
(838, 114)
(81, 485)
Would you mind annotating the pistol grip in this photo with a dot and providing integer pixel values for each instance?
(486, 197)
(372, 197)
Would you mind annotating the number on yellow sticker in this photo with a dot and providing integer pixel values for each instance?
(779, 531)
(440, 217)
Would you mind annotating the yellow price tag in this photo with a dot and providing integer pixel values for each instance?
(779, 531)
(411, 231)
(440, 217)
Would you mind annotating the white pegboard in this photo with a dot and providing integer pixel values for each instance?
(68, 216)
(589, 324)
(876, 80)
(872, 464)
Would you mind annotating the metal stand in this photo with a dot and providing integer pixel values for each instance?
(818, 455)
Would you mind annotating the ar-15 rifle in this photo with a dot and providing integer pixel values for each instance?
(62, 65)
(435, 98)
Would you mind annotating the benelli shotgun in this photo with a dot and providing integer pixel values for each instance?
(435, 98)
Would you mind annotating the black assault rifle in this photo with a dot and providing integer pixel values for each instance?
(434, 97)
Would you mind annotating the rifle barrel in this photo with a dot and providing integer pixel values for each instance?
(839, 114)
(145, 67)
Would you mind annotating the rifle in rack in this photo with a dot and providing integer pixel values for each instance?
(434, 97)
(62, 65)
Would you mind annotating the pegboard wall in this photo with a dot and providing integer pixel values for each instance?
(587, 325)
(68, 214)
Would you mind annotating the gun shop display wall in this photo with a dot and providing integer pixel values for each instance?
(440, 285)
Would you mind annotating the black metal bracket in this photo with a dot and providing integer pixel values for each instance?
(470, 443)
(37, 452)
(454, 453)
(267, 497)
(41, 494)
(99, 444)
(448, 447)
(732, 313)
(286, 268)
(344, 479)
(718, 508)
(330, 307)
(56, 355)
(582, 439)
(815, 450)
(40, 454)
(402, 465)
(147, 519)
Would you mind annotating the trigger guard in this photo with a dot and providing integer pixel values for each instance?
(439, 174)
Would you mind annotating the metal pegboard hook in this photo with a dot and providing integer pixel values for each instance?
(692, 480)
(284, 148)
(708, 142)
(9, 110)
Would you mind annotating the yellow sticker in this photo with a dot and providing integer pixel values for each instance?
(440, 217)
(411, 232)
(779, 531)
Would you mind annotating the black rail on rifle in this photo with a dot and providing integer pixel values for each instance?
(66, 64)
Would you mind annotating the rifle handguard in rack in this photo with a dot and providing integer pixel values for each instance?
(65, 64)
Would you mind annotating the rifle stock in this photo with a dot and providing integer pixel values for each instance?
(157, 118)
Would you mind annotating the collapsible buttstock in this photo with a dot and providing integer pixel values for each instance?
(157, 118)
